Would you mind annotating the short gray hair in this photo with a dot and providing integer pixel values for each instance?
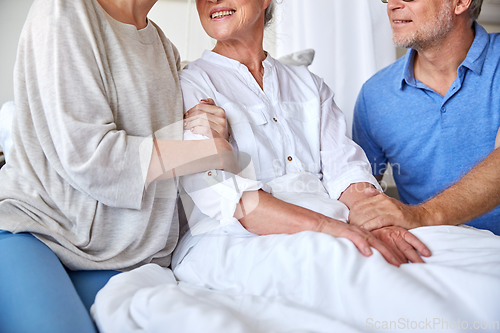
(269, 14)
(475, 9)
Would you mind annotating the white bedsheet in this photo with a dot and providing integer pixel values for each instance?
(310, 282)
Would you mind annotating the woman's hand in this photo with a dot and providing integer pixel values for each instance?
(361, 238)
(210, 120)
(403, 243)
(207, 119)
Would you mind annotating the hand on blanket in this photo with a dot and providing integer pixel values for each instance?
(363, 240)
(403, 243)
(379, 211)
(207, 119)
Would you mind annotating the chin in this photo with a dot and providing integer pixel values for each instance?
(408, 41)
(216, 32)
(219, 36)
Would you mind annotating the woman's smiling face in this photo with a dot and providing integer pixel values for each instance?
(227, 20)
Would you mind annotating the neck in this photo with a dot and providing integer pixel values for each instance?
(132, 12)
(436, 66)
(248, 52)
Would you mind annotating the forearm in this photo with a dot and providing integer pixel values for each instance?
(261, 213)
(178, 158)
(475, 194)
(258, 208)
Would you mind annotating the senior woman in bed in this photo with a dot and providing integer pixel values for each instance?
(304, 172)
(98, 115)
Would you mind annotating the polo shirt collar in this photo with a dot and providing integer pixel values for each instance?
(408, 75)
(474, 60)
(478, 50)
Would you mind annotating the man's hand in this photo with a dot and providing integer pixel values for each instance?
(379, 211)
(403, 243)
(207, 119)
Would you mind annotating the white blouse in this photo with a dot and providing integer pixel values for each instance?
(290, 126)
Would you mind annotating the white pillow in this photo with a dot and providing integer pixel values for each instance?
(6, 115)
(300, 58)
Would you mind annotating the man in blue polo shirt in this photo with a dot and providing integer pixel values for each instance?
(434, 116)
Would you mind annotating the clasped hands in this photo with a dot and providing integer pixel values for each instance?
(210, 120)
(389, 220)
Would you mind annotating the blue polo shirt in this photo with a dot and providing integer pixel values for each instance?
(430, 140)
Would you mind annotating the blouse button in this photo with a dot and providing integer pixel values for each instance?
(209, 173)
(275, 120)
(290, 158)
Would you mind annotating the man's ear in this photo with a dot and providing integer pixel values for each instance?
(461, 6)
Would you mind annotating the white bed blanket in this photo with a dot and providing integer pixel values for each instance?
(149, 299)
(310, 282)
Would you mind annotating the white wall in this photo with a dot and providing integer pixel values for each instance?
(179, 21)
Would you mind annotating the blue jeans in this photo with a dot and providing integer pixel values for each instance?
(38, 294)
